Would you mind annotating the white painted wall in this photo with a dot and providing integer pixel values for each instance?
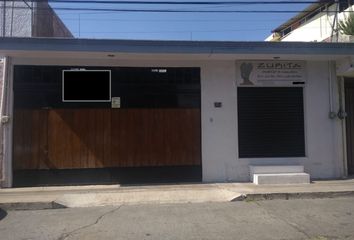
(323, 159)
(219, 128)
(220, 160)
(324, 156)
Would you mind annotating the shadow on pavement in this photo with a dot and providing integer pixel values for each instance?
(3, 214)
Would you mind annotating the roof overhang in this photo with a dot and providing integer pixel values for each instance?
(181, 50)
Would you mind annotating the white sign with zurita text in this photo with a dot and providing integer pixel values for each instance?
(270, 73)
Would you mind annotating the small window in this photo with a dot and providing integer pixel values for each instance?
(311, 15)
(287, 31)
(343, 5)
(302, 21)
(270, 122)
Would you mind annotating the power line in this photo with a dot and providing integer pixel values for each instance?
(180, 2)
(222, 3)
(170, 10)
(176, 31)
(188, 31)
(166, 20)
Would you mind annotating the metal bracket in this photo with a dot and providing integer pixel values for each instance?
(332, 115)
(342, 114)
(5, 119)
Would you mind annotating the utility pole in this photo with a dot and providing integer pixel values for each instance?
(79, 25)
(336, 17)
(335, 21)
(4, 18)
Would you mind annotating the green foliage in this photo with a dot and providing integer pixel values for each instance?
(347, 26)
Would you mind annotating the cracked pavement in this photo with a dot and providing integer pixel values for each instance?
(315, 219)
(67, 235)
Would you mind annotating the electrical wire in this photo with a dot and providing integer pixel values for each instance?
(221, 3)
(42, 10)
(167, 10)
(189, 31)
(167, 20)
(180, 2)
(176, 31)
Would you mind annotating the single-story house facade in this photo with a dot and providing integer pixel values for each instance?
(172, 110)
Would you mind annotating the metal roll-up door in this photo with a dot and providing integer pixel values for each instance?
(270, 122)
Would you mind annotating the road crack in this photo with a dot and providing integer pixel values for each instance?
(99, 218)
(291, 224)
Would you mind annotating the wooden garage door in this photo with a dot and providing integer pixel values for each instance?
(97, 138)
(158, 124)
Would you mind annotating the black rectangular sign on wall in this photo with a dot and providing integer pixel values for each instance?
(86, 86)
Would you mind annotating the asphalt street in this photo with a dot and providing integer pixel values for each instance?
(317, 219)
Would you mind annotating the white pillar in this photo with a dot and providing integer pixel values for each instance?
(6, 113)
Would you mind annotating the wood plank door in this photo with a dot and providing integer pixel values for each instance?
(106, 138)
(349, 108)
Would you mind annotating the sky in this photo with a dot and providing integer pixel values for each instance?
(175, 26)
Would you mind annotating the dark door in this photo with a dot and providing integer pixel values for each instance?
(106, 138)
(155, 134)
(349, 108)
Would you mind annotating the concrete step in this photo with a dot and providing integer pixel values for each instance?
(275, 169)
(281, 178)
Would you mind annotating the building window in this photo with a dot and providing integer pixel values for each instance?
(286, 31)
(270, 122)
(344, 4)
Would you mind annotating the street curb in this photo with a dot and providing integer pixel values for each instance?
(243, 197)
(289, 196)
(31, 206)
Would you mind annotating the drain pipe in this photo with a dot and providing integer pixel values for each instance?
(332, 113)
(342, 115)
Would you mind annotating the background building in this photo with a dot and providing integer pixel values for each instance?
(316, 23)
(30, 19)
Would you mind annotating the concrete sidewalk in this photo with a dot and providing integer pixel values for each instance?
(111, 195)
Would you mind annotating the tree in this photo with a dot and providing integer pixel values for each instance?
(347, 26)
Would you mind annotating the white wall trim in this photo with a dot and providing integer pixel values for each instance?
(341, 89)
(7, 110)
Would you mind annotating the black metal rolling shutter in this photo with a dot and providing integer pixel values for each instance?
(271, 122)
